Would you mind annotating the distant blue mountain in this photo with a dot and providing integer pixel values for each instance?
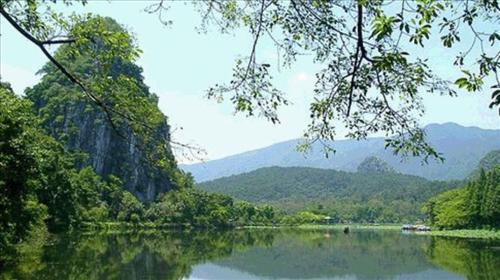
(463, 148)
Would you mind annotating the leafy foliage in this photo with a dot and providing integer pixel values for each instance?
(91, 60)
(21, 150)
(116, 83)
(303, 217)
(374, 72)
(40, 187)
(198, 208)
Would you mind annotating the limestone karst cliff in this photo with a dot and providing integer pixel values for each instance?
(140, 157)
(373, 164)
(88, 133)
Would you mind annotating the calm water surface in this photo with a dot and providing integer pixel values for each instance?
(259, 254)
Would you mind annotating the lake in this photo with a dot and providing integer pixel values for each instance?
(259, 254)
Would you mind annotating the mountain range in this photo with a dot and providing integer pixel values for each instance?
(462, 148)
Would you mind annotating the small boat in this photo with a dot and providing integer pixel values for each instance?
(408, 227)
(423, 228)
(415, 227)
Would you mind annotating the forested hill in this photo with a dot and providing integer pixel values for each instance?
(390, 196)
(276, 183)
(461, 146)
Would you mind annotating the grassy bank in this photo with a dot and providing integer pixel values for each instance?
(468, 233)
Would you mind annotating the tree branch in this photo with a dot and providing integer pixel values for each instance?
(55, 42)
(360, 49)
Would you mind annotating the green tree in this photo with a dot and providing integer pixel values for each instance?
(55, 188)
(130, 209)
(303, 217)
(20, 154)
(490, 210)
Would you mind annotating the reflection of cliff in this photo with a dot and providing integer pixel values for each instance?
(476, 260)
(366, 255)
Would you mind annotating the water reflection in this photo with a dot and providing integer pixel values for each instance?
(257, 254)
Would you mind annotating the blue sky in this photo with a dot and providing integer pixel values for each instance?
(180, 64)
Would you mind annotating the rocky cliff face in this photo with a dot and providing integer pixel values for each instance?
(110, 153)
(84, 129)
(88, 133)
(131, 154)
(374, 165)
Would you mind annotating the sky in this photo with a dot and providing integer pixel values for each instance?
(180, 64)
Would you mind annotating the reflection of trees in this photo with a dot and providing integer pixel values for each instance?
(474, 259)
(30, 251)
(264, 253)
(168, 255)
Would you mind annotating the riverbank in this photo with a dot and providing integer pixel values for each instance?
(332, 226)
(352, 226)
(127, 227)
(462, 233)
(467, 233)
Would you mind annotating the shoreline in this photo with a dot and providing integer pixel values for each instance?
(117, 227)
(456, 233)
(467, 233)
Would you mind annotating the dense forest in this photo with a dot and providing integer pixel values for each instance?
(374, 194)
(476, 205)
